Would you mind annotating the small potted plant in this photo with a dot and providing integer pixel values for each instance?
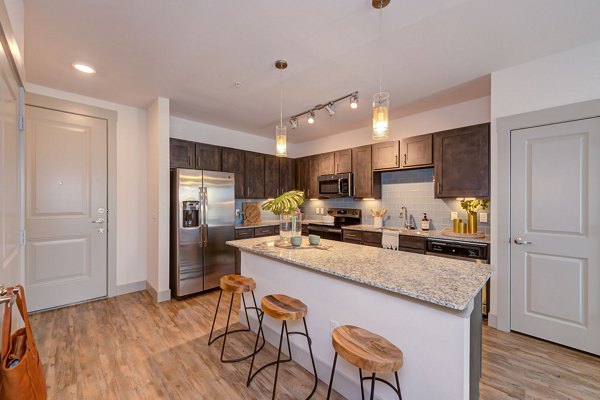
(471, 206)
(287, 207)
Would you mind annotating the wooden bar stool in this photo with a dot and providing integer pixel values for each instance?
(366, 351)
(237, 284)
(283, 308)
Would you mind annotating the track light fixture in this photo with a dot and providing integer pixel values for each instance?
(328, 106)
(330, 109)
(354, 101)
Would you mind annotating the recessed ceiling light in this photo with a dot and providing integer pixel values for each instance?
(86, 69)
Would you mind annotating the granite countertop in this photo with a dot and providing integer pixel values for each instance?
(446, 282)
(414, 232)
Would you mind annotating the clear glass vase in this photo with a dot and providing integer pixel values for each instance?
(289, 226)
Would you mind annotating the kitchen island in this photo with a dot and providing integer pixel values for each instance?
(425, 305)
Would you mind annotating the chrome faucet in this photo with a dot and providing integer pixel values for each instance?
(404, 214)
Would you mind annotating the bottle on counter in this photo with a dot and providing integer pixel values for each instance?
(425, 223)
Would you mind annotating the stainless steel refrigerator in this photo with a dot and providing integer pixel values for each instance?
(202, 220)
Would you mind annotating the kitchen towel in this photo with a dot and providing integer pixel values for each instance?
(390, 239)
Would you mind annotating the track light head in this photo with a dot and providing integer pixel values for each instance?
(330, 109)
(294, 122)
(354, 101)
(311, 117)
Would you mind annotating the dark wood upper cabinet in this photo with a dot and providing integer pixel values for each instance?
(300, 175)
(462, 162)
(272, 188)
(254, 175)
(326, 164)
(343, 161)
(312, 177)
(385, 155)
(366, 183)
(416, 151)
(232, 160)
(287, 175)
(182, 153)
(208, 157)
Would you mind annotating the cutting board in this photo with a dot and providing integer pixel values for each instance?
(251, 213)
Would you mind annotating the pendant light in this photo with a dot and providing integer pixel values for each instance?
(280, 130)
(381, 100)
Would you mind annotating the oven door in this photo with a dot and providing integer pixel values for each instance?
(326, 232)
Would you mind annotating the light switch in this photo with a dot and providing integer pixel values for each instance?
(453, 215)
(483, 217)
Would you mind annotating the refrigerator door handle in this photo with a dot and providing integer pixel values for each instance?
(205, 217)
(201, 216)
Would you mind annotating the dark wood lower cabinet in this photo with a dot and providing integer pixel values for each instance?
(365, 238)
(462, 162)
(412, 244)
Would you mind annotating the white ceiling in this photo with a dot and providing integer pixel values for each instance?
(193, 52)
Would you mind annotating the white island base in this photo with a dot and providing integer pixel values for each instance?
(435, 340)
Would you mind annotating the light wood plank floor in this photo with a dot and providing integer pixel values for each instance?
(128, 347)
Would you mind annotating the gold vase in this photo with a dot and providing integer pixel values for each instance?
(472, 223)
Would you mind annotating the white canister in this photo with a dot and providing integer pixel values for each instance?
(378, 222)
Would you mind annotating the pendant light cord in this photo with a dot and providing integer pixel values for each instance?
(380, 44)
(280, 97)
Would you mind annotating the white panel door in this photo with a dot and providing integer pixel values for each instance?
(555, 233)
(10, 218)
(65, 207)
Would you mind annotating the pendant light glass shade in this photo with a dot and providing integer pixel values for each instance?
(280, 141)
(381, 106)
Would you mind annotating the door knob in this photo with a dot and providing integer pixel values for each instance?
(520, 241)
(98, 221)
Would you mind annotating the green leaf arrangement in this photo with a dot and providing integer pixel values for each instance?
(472, 205)
(286, 204)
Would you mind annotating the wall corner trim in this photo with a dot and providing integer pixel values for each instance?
(159, 297)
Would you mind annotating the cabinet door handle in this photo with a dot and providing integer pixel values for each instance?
(404, 158)
(189, 159)
(396, 160)
(439, 187)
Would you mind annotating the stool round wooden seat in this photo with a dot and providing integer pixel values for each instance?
(237, 283)
(282, 307)
(366, 350)
(285, 309)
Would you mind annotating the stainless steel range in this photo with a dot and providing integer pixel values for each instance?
(341, 217)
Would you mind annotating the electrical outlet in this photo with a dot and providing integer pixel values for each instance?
(332, 325)
(237, 212)
(483, 217)
(453, 215)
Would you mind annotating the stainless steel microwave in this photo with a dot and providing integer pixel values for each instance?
(338, 185)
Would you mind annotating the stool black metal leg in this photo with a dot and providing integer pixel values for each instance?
(362, 390)
(332, 374)
(398, 385)
(312, 359)
(245, 310)
(283, 326)
(215, 318)
(287, 337)
(258, 334)
(258, 313)
(227, 326)
(373, 386)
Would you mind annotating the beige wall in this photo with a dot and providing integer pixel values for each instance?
(563, 78)
(131, 183)
(462, 114)
(158, 198)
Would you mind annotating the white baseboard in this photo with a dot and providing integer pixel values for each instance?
(130, 288)
(163, 295)
(493, 320)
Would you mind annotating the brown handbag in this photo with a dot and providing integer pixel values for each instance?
(21, 372)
